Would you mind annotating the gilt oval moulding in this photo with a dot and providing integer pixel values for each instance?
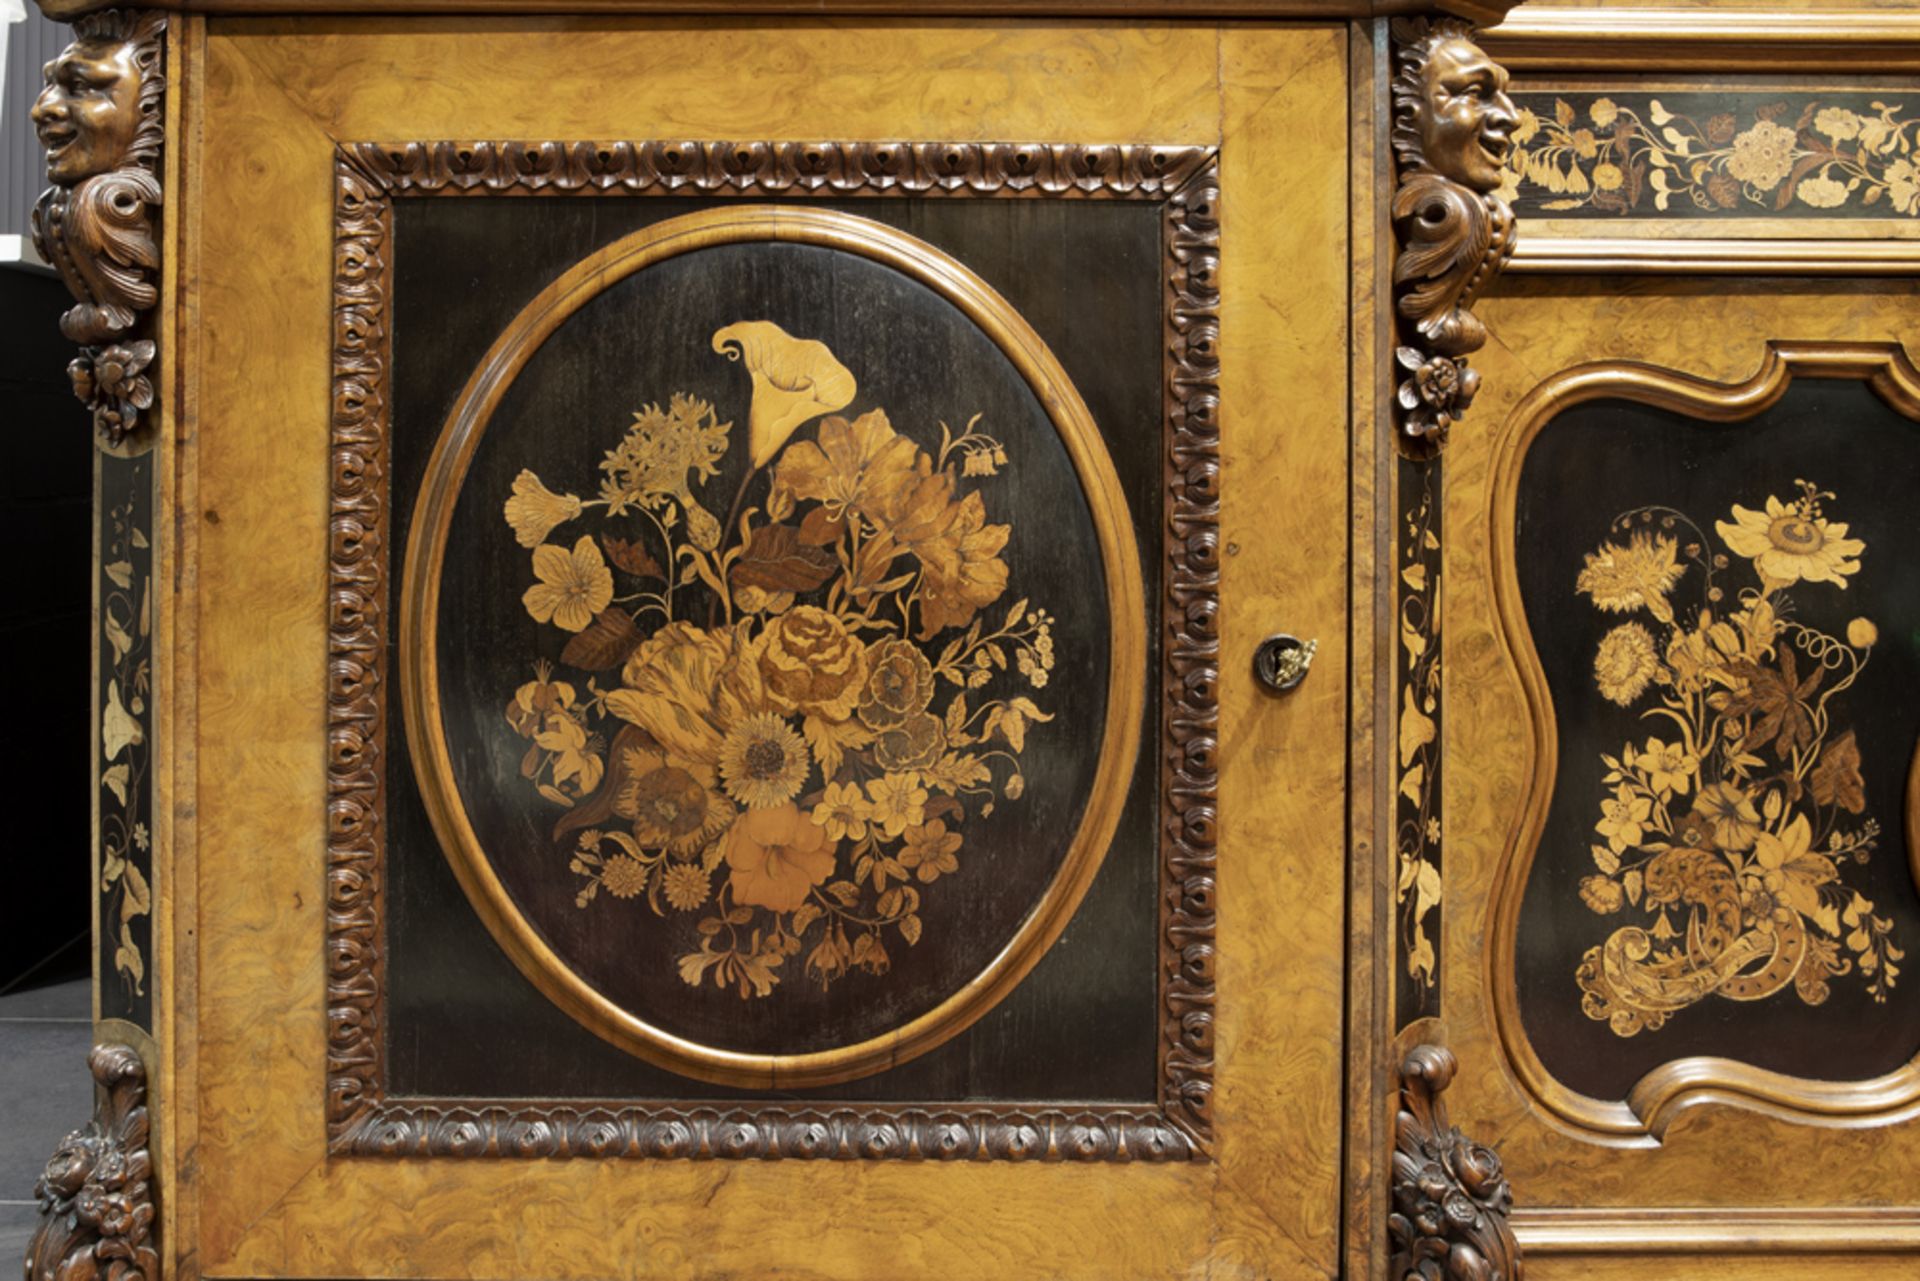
(772, 645)
(1743, 880)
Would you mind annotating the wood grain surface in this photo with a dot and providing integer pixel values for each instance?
(277, 95)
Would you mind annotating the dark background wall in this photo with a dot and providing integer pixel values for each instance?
(30, 45)
(45, 523)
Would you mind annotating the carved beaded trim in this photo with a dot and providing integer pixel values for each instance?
(669, 1131)
(361, 1120)
(762, 169)
(356, 631)
(1191, 671)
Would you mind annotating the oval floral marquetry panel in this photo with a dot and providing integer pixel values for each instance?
(1717, 595)
(772, 645)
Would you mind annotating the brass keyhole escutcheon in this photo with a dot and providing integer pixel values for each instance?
(1282, 661)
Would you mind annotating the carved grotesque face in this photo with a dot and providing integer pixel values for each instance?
(1466, 115)
(87, 114)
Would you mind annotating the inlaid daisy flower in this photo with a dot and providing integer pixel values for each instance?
(763, 762)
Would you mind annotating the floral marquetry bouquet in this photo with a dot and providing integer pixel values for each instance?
(777, 724)
(1729, 831)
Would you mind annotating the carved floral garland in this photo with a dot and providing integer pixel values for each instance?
(769, 755)
(97, 1212)
(1730, 827)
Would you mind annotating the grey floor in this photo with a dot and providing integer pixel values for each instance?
(44, 1092)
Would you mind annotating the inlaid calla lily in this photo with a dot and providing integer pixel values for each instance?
(795, 380)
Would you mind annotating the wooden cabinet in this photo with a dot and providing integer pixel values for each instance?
(774, 645)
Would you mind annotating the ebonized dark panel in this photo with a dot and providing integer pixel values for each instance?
(1084, 1025)
(1679, 479)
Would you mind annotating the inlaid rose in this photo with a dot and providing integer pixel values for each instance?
(899, 686)
(812, 663)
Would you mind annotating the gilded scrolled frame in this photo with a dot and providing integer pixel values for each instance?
(361, 1118)
(1681, 1084)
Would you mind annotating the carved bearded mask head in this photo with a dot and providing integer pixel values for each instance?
(1454, 98)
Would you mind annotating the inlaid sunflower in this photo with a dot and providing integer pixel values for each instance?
(673, 805)
(763, 762)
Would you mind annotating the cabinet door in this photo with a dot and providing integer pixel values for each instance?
(1682, 810)
(726, 564)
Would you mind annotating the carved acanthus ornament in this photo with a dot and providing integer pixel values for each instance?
(1450, 1196)
(100, 119)
(96, 1197)
(1451, 124)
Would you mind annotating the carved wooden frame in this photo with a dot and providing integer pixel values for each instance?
(361, 1119)
(1680, 1084)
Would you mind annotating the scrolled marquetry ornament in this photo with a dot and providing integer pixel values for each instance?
(96, 1197)
(1450, 1197)
(100, 118)
(1451, 125)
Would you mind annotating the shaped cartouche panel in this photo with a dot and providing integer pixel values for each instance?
(1714, 887)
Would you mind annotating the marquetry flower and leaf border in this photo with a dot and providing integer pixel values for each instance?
(1183, 181)
(1794, 155)
(1417, 785)
(125, 725)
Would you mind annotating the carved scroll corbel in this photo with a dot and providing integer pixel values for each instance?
(1451, 125)
(1450, 1197)
(100, 118)
(96, 1197)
